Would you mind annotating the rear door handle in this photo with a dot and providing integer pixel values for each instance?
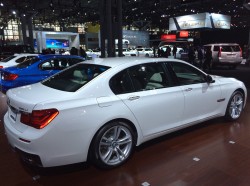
(188, 89)
(132, 98)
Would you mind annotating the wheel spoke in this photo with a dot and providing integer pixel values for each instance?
(105, 141)
(117, 131)
(125, 140)
(239, 102)
(106, 157)
(120, 153)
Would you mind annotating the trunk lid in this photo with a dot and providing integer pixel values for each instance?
(24, 99)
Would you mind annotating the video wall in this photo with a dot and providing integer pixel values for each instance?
(57, 43)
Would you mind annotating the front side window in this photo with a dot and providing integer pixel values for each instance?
(75, 77)
(187, 74)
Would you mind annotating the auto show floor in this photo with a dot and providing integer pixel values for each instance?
(215, 152)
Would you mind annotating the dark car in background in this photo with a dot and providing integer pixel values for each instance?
(34, 70)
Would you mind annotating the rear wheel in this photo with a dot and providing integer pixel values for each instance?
(112, 145)
(235, 106)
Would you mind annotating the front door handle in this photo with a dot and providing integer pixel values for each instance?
(132, 98)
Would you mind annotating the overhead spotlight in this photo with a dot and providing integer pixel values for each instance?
(1, 4)
(14, 12)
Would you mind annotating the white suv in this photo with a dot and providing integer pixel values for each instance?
(225, 54)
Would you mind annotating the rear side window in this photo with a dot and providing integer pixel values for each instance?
(216, 48)
(28, 62)
(75, 77)
(7, 59)
(142, 77)
(24, 58)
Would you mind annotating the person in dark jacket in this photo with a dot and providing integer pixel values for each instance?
(200, 56)
(82, 53)
(74, 51)
(191, 55)
(208, 60)
(174, 51)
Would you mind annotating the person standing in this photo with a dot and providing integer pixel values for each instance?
(208, 60)
(200, 57)
(73, 51)
(191, 55)
(174, 51)
(82, 53)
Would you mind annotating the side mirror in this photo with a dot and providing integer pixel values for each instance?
(209, 79)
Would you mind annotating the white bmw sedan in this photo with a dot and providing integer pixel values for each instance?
(100, 110)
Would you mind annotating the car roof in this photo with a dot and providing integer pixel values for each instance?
(116, 61)
(41, 56)
(25, 54)
(221, 44)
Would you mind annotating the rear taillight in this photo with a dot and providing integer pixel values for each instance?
(39, 118)
(219, 53)
(1, 66)
(9, 77)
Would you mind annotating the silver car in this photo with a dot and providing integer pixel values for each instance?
(229, 54)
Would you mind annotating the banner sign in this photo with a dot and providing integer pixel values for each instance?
(202, 20)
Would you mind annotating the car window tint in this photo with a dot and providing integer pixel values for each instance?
(47, 65)
(21, 59)
(142, 77)
(74, 77)
(121, 83)
(148, 76)
(73, 61)
(28, 62)
(7, 59)
(216, 48)
(187, 74)
(236, 48)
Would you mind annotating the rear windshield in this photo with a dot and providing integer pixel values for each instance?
(233, 48)
(28, 62)
(74, 78)
(227, 48)
(7, 59)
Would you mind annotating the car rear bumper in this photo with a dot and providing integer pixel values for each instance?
(228, 61)
(39, 150)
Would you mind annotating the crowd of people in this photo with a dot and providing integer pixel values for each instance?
(73, 51)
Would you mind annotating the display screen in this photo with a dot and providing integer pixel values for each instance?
(57, 43)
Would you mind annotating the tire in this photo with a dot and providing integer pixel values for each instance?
(147, 55)
(235, 106)
(113, 145)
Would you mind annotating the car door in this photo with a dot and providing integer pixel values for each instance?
(202, 99)
(146, 90)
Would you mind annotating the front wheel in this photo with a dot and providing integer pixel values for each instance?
(112, 145)
(235, 106)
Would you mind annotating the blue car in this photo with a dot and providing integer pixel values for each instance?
(35, 70)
